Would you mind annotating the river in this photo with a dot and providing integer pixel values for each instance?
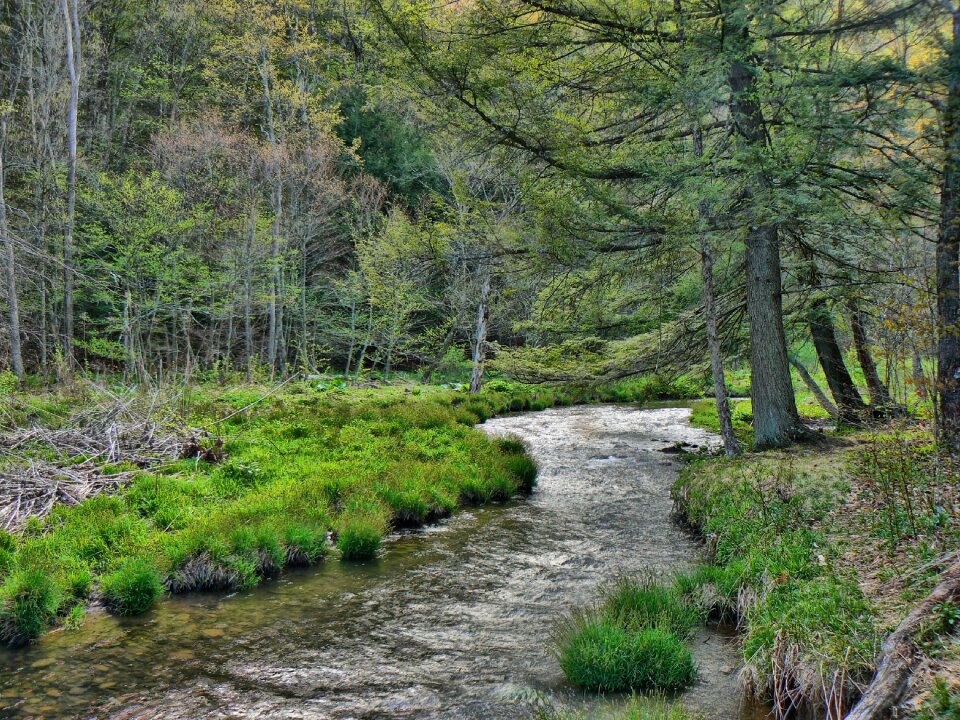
(453, 621)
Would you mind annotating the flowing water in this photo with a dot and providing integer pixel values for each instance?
(453, 621)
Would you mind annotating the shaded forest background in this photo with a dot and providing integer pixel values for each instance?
(592, 190)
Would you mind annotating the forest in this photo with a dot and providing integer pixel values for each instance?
(291, 285)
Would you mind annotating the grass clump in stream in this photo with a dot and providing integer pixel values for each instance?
(654, 707)
(29, 603)
(633, 639)
(133, 588)
(599, 654)
(361, 527)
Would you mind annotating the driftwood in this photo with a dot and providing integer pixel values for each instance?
(899, 652)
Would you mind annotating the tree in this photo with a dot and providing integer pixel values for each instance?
(71, 22)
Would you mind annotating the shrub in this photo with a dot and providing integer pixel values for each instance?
(132, 589)
(29, 602)
(597, 654)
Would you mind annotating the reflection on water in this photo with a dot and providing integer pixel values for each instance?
(453, 622)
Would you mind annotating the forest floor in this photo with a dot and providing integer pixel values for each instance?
(821, 550)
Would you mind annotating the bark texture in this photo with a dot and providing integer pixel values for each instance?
(776, 421)
(948, 257)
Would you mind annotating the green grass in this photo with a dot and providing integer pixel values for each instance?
(633, 639)
(640, 603)
(804, 619)
(133, 588)
(597, 653)
(29, 601)
(301, 466)
(638, 708)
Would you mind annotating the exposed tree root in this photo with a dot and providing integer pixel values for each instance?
(899, 652)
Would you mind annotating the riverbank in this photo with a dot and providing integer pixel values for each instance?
(116, 496)
(279, 480)
(819, 552)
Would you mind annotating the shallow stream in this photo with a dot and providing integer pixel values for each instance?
(453, 621)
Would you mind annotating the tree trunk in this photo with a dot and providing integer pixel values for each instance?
(842, 387)
(480, 340)
(13, 305)
(814, 388)
(730, 443)
(879, 396)
(275, 321)
(948, 257)
(72, 32)
(775, 418)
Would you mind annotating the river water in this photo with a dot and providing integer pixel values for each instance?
(453, 621)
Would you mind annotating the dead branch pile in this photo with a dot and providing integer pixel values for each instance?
(97, 451)
(34, 488)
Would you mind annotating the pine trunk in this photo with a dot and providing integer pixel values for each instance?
(842, 387)
(814, 388)
(775, 418)
(948, 258)
(879, 395)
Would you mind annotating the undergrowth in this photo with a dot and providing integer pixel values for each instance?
(808, 633)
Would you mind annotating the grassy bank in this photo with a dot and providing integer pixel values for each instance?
(270, 478)
(299, 475)
(818, 552)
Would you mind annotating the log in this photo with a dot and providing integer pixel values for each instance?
(899, 652)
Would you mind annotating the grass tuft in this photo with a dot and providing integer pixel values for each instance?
(29, 603)
(133, 589)
(596, 653)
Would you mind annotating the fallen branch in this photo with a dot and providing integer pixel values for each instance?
(899, 652)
